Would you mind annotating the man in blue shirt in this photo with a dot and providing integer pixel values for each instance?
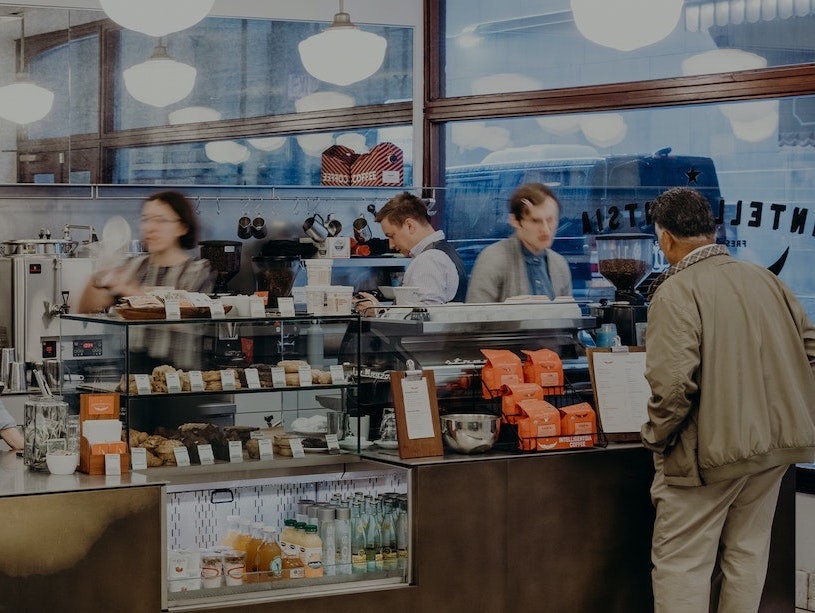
(524, 263)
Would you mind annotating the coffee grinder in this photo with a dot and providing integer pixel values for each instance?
(225, 259)
(224, 348)
(625, 260)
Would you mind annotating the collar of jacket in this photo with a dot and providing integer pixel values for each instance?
(696, 255)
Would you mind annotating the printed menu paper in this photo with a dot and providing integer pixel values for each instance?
(621, 390)
(417, 408)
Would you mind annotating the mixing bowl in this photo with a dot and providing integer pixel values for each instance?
(470, 433)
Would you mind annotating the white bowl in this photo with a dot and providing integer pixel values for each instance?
(62, 462)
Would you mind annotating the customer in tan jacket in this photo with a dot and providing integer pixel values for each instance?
(730, 357)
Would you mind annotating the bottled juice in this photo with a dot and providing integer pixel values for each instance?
(292, 565)
(270, 556)
(232, 527)
(312, 548)
(243, 536)
(252, 546)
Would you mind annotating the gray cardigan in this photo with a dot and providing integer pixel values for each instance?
(500, 272)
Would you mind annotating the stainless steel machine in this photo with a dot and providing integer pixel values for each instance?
(34, 290)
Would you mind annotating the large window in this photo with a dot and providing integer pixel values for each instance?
(725, 103)
(253, 116)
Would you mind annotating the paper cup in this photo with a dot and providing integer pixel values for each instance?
(318, 271)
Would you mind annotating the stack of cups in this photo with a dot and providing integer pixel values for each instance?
(7, 357)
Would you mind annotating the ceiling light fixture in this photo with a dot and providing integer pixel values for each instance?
(161, 80)
(626, 24)
(24, 102)
(342, 54)
(157, 17)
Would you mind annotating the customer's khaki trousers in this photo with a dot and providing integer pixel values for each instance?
(691, 522)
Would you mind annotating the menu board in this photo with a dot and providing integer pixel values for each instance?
(621, 391)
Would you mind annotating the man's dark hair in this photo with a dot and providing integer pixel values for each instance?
(404, 206)
(532, 193)
(683, 212)
(182, 207)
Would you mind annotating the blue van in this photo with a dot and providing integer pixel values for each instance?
(599, 194)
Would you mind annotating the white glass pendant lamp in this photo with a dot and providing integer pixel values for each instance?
(342, 54)
(157, 17)
(22, 101)
(626, 25)
(161, 80)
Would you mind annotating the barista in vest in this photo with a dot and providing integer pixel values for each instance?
(435, 267)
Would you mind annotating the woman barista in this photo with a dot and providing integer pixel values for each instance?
(168, 230)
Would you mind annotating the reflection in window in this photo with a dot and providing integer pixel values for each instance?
(275, 160)
(71, 71)
(751, 159)
(251, 68)
(504, 48)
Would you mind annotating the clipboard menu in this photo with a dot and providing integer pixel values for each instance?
(621, 391)
(417, 414)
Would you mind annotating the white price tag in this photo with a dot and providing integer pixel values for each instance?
(205, 454)
(196, 381)
(278, 377)
(172, 309)
(182, 456)
(173, 382)
(235, 451)
(332, 442)
(228, 379)
(304, 373)
(256, 308)
(252, 378)
(265, 449)
(286, 306)
(337, 374)
(143, 384)
(138, 458)
(113, 464)
(296, 446)
(216, 309)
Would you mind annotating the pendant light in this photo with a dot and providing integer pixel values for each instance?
(161, 80)
(626, 25)
(342, 54)
(24, 102)
(157, 17)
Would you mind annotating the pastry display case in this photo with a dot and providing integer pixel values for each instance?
(244, 418)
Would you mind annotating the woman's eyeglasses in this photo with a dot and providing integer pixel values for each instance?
(161, 221)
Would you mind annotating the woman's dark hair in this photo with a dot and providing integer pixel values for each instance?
(684, 212)
(182, 207)
(530, 194)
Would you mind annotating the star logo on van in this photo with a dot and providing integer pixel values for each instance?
(692, 175)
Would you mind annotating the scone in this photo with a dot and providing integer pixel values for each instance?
(292, 366)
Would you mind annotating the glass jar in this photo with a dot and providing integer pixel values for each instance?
(44, 420)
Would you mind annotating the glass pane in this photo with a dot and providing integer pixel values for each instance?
(281, 160)
(500, 47)
(71, 72)
(752, 160)
(251, 68)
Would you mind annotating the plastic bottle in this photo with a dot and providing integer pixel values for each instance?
(251, 549)
(290, 548)
(232, 527)
(342, 540)
(329, 539)
(358, 554)
(270, 556)
(312, 548)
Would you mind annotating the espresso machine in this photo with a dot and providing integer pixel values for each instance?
(624, 260)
